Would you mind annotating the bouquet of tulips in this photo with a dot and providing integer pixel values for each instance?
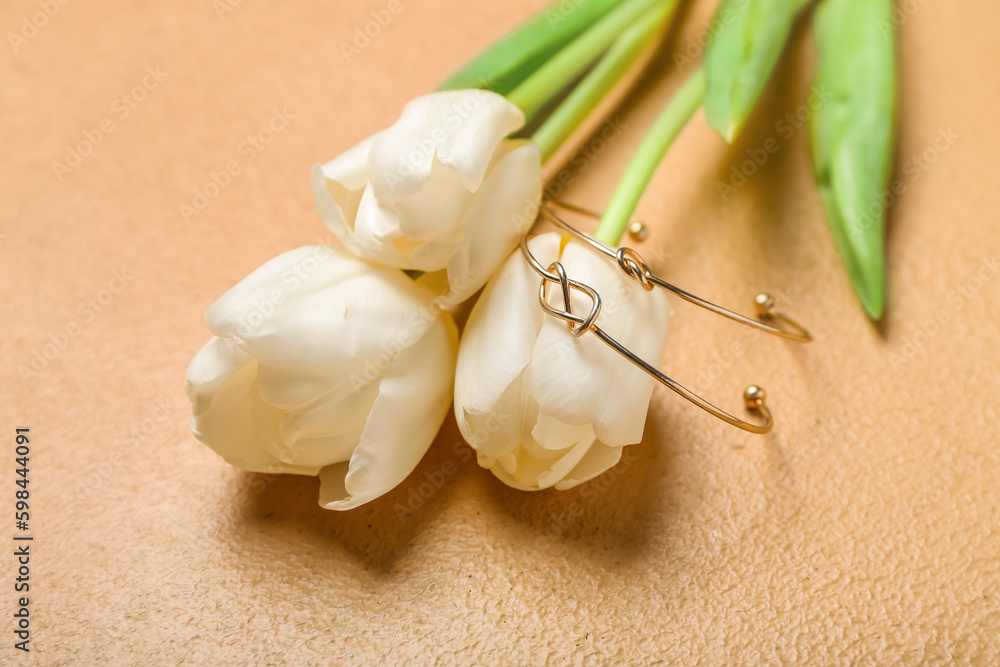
(342, 361)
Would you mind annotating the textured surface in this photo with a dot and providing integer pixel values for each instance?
(864, 530)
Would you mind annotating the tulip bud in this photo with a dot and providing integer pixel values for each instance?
(323, 364)
(441, 191)
(541, 407)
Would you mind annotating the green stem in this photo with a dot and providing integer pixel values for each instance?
(640, 170)
(623, 53)
(532, 94)
(519, 53)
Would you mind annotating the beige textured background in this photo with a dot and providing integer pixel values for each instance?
(864, 530)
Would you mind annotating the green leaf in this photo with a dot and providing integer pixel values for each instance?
(853, 134)
(747, 37)
(675, 115)
(564, 67)
(508, 62)
(601, 78)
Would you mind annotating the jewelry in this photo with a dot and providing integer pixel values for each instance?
(632, 264)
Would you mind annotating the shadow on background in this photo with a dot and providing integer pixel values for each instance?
(378, 533)
(607, 518)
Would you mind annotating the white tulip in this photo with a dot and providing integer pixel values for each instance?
(541, 407)
(324, 364)
(441, 191)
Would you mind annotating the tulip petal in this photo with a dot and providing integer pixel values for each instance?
(318, 307)
(320, 453)
(375, 230)
(581, 380)
(330, 415)
(433, 257)
(400, 428)
(350, 169)
(337, 188)
(381, 238)
(501, 331)
(529, 469)
(298, 389)
(599, 459)
(535, 466)
(337, 208)
(503, 211)
(567, 462)
(498, 431)
(460, 128)
(550, 433)
(436, 209)
(290, 274)
(218, 383)
(521, 482)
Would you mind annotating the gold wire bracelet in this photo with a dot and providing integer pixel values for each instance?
(632, 264)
